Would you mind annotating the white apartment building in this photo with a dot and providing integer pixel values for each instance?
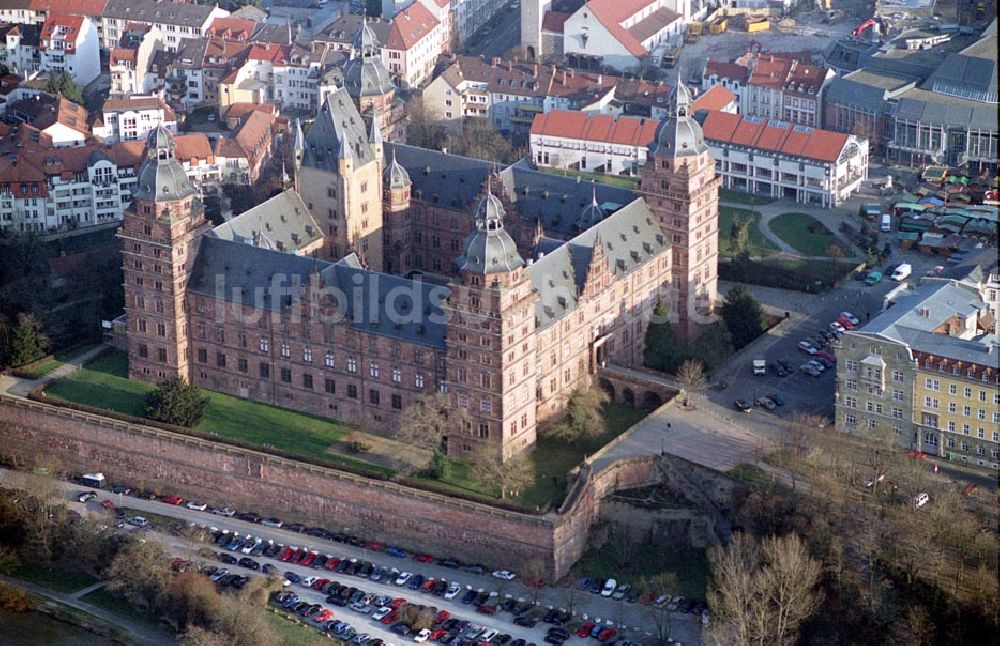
(69, 44)
(175, 20)
(591, 143)
(780, 159)
(133, 118)
(621, 33)
(415, 40)
(130, 62)
(276, 74)
(19, 48)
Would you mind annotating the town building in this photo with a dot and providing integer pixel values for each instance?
(926, 370)
(779, 86)
(621, 34)
(70, 45)
(416, 39)
(780, 159)
(510, 94)
(35, 12)
(272, 73)
(175, 20)
(538, 291)
(592, 142)
(939, 108)
(242, 156)
(200, 64)
(19, 48)
(133, 118)
(130, 62)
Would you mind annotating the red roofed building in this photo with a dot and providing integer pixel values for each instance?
(591, 143)
(131, 61)
(69, 44)
(783, 86)
(239, 29)
(782, 159)
(416, 39)
(132, 118)
(621, 33)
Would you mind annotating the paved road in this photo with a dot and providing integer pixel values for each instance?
(18, 387)
(686, 628)
(504, 34)
(140, 634)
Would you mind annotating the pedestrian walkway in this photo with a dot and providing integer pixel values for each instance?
(90, 588)
(20, 387)
(140, 634)
(831, 219)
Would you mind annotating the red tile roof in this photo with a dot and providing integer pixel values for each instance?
(554, 21)
(630, 131)
(716, 98)
(123, 55)
(91, 8)
(235, 28)
(187, 148)
(409, 26)
(269, 52)
(253, 134)
(72, 25)
(240, 110)
(727, 70)
(770, 72)
(139, 103)
(17, 177)
(774, 136)
(612, 13)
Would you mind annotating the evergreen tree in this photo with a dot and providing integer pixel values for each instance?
(743, 315)
(659, 343)
(64, 85)
(175, 401)
(27, 341)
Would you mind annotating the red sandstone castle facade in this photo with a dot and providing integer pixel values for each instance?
(391, 272)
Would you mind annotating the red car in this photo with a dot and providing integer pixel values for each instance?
(309, 558)
(423, 558)
(428, 584)
(486, 609)
(286, 554)
(919, 455)
(396, 603)
(299, 555)
(607, 634)
(375, 546)
(172, 500)
(437, 634)
(390, 618)
(441, 616)
(323, 616)
(846, 323)
(823, 354)
(107, 504)
(331, 563)
(584, 630)
(319, 583)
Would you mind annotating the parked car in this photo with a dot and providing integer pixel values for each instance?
(807, 347)
(836, 327)
(609, 588)
(453, 589)
(921, 499)
(850, 317)
(620, 592)
(826, 356)
(172, 500)
(271, 522)
(137, 521)
(196, 506)
(845, 323)
(778, 369)
(224, 511)
(403, 578)
(765, 402)
(87, 496)
(777, 399)
(810, 370)
(506, 575)
(740, 405)
(422, 635)
(874, 277)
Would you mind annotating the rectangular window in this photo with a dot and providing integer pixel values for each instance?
(220, 359)
(241, 365)
(352, 365)
(162, 354)
(352, 391)
(397, 402)
(952, 389)
(286, 375)
(307, 381)
(263, 345)
(202, 355)
(328, 360)
(265, 371)
(374, 397)
(330, 386)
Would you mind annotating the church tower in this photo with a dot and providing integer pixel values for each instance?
(371, 87)
(158, 235)
(681, 187)
(491, 341)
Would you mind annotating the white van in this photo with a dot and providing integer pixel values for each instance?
(95, 480)
(886, 223)
(921, 499)
(902, 272)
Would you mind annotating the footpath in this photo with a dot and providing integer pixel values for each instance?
(20, 387)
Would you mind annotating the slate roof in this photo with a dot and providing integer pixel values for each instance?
(966, 77)
(629, 238)
(282, 223)
(186, 14)
(456, 182)
(245, 268)
(929, 107)
(338, 119)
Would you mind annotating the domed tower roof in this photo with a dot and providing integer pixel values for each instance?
(161, 177)
(394, 175)
(365, 74)
(679, 135)
(490, 249)
(592, 213)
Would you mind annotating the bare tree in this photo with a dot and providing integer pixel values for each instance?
(533, 575)
(570, 595)
(509, 478)
(691, 374)
(658, 615)
(789, 576)
(734, 591)
(584, 419)
(425, 422)
(139, 573)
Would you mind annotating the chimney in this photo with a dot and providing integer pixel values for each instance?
(510, 66)
(495, 61)
(600, 79)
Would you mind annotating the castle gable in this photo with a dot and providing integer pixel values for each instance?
(337, 123)
(282, 223)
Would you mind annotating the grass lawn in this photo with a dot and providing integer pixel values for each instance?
(552, 460)
(293, 633)
(805, 234)
(689, 564)
(57, 578)
(614, 180)
(759, 245)
(751, 474)
(728, 195)
(59, 358)
(119, 606)
(104, 384)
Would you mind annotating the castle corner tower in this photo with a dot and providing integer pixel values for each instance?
(158, 235)
(681, 187)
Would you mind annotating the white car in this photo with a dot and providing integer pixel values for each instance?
(807, 347)
(381, 613)
(224, 511)
(403, 578)
(506, 575)
(609, 588)
(837, 327)
(196, 506)
(850, 317)
(308, 581)
(817, 365)
(137, 521)
(251, 544)
(422, 636)
(921, 499)
(453, 589)
(871, 483)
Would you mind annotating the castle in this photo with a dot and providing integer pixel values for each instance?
(391, 272)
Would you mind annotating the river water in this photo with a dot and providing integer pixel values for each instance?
(37, 629)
